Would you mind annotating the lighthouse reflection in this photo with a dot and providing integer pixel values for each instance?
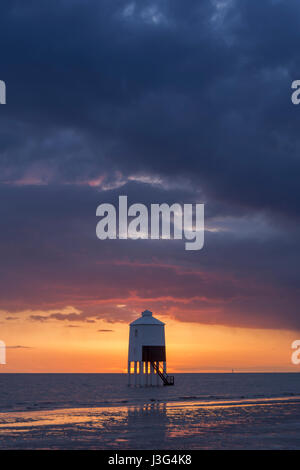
(152, 420)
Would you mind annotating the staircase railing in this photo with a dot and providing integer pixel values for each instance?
(167, 379)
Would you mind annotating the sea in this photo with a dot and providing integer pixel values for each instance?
(100, 411)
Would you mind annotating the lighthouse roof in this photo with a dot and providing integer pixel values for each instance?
(147, 319)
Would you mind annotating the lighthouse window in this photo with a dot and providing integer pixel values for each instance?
(136, 333)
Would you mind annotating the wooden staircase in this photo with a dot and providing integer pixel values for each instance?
(167, 379)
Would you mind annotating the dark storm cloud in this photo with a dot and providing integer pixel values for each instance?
(200, 90)
(191, 97)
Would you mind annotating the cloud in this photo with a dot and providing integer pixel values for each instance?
(38, 318)
(246, 275)
(62, 317)
(216, 112)
(171, 102)
(105, 331)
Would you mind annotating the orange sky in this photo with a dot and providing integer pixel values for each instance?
(59, 347)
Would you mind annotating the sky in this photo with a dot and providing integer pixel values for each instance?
(162, 101)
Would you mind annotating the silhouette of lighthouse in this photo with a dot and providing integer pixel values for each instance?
(147, 352)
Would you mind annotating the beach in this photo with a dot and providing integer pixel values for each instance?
(271, 424)
(168, 422)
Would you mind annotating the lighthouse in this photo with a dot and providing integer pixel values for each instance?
(147, 352)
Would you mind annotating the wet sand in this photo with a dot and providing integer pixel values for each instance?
(229, 424)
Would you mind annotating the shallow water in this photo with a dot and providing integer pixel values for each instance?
(51, 391)
(98, 411)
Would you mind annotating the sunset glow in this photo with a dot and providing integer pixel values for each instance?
(102, 347)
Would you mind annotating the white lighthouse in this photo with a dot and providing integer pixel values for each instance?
(147, 352)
